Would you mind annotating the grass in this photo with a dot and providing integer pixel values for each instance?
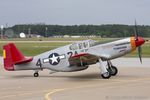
(31, 48)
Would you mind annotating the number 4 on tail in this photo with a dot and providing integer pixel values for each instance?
(39, 64)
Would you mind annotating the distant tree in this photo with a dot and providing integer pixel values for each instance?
(84, 30)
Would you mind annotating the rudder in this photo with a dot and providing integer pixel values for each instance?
(8, 62)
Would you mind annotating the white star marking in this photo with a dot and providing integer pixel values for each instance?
(54, 59)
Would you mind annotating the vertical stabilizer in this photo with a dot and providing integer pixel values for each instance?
(12, 56)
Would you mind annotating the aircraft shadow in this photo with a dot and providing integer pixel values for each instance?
(66, 76)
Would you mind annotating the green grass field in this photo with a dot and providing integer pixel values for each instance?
(30, 48)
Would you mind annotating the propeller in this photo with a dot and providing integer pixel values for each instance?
(136, 39)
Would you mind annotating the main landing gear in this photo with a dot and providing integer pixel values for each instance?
(107, 72)
(112, 69)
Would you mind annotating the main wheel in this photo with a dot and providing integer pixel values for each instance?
(106, 75)
(113, 70)
(36, 74)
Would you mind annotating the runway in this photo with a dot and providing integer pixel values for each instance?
(132, 83)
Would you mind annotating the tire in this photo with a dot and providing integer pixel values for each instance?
(106, 75)
(36, 74)
(113, 70)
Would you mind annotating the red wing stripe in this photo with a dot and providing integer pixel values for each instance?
(79, 55)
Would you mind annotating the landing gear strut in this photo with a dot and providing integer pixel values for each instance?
(105, 73)
(36, 74)
(112, 69)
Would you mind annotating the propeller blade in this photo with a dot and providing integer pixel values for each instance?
(136, 31)
(140, 53)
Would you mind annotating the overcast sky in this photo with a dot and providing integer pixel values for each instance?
(71, 12)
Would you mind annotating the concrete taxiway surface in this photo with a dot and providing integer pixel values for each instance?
(132, 83)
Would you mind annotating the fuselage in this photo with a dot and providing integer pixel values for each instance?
(57, 59)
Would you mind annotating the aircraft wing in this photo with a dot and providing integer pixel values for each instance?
(83, 59)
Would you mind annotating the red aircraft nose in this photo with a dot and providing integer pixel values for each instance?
(139, 41)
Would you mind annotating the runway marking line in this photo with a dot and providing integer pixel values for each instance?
(49, 94)
(52, 92)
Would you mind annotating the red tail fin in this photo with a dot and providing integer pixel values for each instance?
(12, 56)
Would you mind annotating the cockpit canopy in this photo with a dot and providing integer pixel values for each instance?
(82, 45)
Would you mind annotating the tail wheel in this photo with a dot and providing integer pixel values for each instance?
(113, 70)
(36, 74)
(106, 75)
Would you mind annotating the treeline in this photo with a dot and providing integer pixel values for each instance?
(83, 30)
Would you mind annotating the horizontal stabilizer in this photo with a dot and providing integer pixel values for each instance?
(25, 60)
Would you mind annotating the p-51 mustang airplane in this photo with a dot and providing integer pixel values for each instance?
(74, 57)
